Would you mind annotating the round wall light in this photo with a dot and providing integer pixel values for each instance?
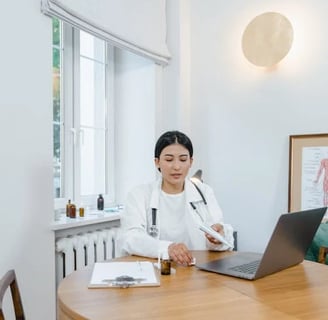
(267, 39)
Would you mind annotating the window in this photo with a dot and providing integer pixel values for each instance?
(82, 116)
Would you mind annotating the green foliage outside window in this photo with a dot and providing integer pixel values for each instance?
(56, 85)
(56, 39)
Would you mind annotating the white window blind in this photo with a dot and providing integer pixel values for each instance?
(135, 25)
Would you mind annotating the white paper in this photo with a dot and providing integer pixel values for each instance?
(105, 272)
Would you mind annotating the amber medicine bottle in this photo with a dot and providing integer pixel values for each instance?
(100, 202)
(72, 211)
(165, 264)
(68, 205)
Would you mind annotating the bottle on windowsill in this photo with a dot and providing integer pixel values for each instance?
(68, 205)
(81, 212)
(100, 202)
(72, 211)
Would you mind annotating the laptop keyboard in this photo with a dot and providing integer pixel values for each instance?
(248, 268)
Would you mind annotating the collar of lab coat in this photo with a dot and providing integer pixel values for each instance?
(192, 195)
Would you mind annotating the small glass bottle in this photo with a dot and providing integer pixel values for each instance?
(68, 205)
(165, 264)
(81, 212)
(72, 211)
(100, 202)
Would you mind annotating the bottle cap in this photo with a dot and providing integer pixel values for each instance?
(165, 255)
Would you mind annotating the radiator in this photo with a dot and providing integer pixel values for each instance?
(77, 251)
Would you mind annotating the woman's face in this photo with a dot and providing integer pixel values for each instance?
(174, 162)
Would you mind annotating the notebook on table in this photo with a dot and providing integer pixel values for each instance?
(287, 247)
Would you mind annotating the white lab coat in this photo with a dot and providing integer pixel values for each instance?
(136, 218)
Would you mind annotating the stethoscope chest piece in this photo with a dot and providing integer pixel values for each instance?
(153, 229)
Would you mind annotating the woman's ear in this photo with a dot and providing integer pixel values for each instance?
(156, 160)
(191, 161)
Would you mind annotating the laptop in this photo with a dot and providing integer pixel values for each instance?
(287, 247)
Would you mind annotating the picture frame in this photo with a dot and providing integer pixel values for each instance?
(308, 171)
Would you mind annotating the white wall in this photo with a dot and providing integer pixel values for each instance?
(135, 117)
(26, 206)
(242, 116)
(176, 76)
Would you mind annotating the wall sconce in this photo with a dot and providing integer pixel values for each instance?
(267, 39)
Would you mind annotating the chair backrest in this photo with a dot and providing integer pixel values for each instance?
(9, 280)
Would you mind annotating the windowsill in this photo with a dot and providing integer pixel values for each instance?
(93, 217)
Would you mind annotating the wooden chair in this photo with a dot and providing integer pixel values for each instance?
(323, 251)
(9, 280)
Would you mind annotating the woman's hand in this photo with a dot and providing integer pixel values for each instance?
(179, 253)
(218, 228)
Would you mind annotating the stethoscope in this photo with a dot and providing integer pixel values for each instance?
(153, 229)
(193, 204)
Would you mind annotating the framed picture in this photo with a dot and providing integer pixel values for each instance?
(308, 171)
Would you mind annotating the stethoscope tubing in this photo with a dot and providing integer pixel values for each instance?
(193, 205)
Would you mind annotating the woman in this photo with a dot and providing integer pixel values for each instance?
(165, 216)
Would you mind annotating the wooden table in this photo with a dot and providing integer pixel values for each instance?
(299, 292)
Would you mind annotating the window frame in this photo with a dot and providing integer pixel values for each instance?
(70, 122)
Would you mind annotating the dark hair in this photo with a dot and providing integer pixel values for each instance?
(172, 137)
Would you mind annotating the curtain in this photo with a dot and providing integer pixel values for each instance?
(135, 25)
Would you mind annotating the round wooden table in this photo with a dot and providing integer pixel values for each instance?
(299, 292)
